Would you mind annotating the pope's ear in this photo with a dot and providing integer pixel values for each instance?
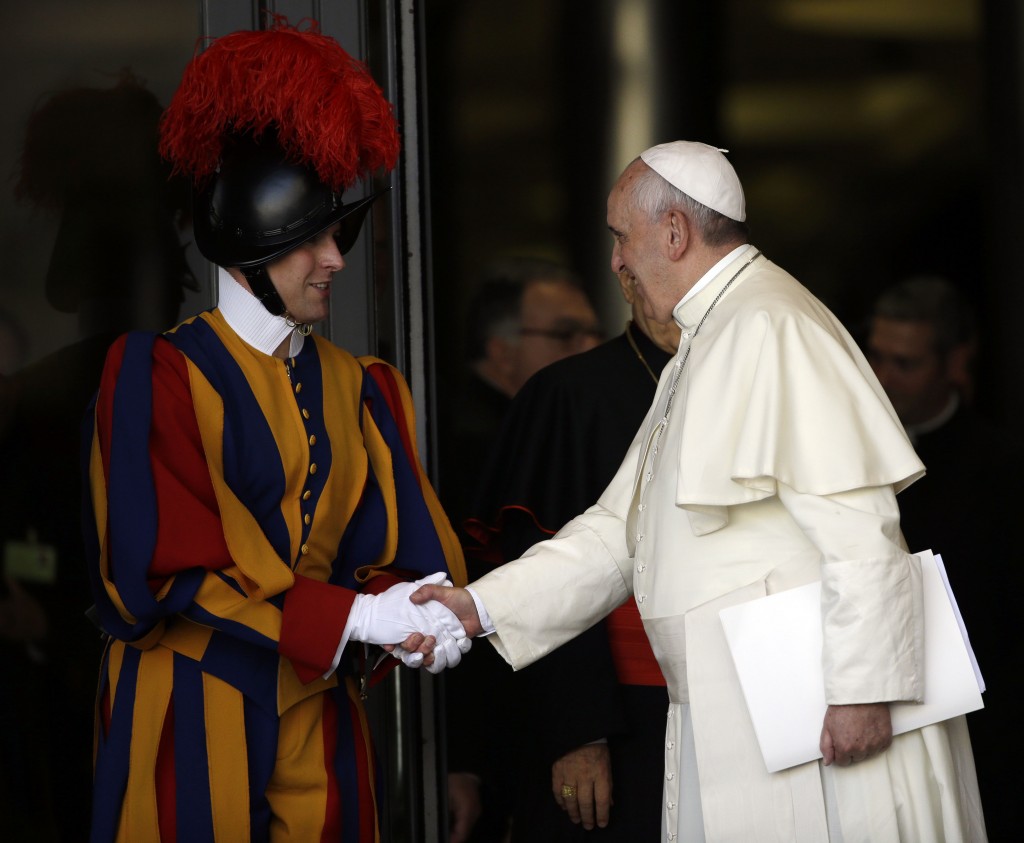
(677, 233)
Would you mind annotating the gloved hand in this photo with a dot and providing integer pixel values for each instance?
(449, 654)
(445, 655)
(415, 659)
(391, 617)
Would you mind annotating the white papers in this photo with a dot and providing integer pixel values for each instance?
(776, 646)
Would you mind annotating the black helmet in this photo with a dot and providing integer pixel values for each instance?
(259, 206)
(271, 125)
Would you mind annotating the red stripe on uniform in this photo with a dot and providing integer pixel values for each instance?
(385, 379)
(367, 806)
(166, 792)
(332, 815)
(104, 706)
(105, 401)
(189, 530)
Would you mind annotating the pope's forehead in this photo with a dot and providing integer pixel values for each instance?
(619, 201)
(625, 181)
(630, 174)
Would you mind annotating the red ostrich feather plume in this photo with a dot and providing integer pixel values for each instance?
(327, 110)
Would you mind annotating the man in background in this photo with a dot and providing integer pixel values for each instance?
(921, 343)
(526, 314)
(595, 709)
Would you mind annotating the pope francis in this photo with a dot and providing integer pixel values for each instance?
(770, 458)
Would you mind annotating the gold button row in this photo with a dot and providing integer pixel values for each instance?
(307, 518)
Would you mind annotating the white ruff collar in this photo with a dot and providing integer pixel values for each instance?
(256, 325)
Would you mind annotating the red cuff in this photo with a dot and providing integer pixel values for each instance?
(314, 618)
(380, 583)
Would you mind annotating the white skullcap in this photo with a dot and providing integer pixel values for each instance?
(702, 173)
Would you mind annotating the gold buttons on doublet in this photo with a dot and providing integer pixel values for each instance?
(310, 421)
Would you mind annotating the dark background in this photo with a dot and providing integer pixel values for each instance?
(876, 139)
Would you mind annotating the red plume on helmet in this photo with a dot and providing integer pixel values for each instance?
(327, 111)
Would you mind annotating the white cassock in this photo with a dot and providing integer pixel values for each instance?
(778, 465)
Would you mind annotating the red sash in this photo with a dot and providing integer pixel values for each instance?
(631, 651)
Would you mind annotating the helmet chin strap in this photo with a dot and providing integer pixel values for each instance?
(263, 288)
(265, 291)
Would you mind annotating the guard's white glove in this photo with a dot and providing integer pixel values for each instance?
(391, 617)
(445, 655)
(449, 654)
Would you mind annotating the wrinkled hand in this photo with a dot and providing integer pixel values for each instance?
(457, 600)
(588, 769)
(853, 733)
(464, 805)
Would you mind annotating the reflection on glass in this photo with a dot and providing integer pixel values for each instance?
(93, 238)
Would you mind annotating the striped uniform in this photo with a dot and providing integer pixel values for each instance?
(236, 505)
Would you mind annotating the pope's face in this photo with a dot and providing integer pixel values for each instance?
(303, 277)
(636, 254)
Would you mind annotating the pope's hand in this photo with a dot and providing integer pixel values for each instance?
(457, 600)
(853, 733)
(581, 781)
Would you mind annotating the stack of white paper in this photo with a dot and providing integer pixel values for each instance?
(776, 645)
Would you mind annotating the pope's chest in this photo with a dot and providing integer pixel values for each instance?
(652, 505)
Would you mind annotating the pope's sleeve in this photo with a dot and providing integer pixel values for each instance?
(155, 535)
(871, 598)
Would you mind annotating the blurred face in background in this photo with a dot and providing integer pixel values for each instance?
(914, 374)
(556, 320)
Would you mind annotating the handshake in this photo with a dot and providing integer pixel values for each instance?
(423, 623)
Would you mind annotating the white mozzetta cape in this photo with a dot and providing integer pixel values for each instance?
(778, 465)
